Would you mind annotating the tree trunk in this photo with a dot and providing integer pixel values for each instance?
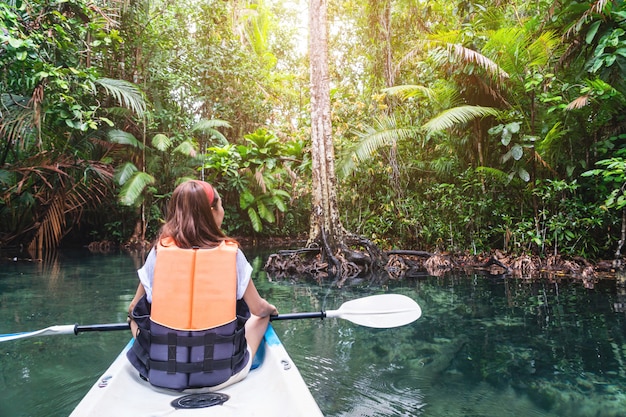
(328, 253)
(325, 222)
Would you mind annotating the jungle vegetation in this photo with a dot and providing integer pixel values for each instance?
(462, 125)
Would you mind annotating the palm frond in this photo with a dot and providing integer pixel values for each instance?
(541, 48)
(127, 94)
(187, 148)
(17, 119)
(205, 124)
(384, 133)
(132, 190)
(448, 46)
(408, 91)
(161, 142)
(459, 115)
(467, 55)
(493, 173)
(209, 127)
(51, 228)
(125, 172)
(578, 102)
(259, 179)
(596, 8)
(65, 200)
(123, 138)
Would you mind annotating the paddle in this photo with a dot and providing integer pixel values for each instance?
(66, 329)
(378, 311)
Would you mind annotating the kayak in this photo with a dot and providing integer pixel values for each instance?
(274, 387)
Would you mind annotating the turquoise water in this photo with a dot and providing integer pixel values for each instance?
(485, 346)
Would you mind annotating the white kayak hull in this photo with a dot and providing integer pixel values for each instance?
(273, 389)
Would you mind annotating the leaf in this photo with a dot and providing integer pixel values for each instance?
(133, 188)
(161, 142)
(108, 121)
(186, 148)
(591, 172)
(470, 56)
(245, 199)
(459, 115)
(385, 132)
(126, 93)
(125, 172)
(265, 213)
(517, 152)
(209, 127)
(408, 91)
(279, 203)
(506, 137)
(16, 43)
(255, 220)
(523, 174)
(578, 103)
(591, 33)
(513, 127)
(123, 138)
(495, 130)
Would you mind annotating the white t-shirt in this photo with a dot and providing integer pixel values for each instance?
(146, 274)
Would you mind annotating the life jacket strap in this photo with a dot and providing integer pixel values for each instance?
(186, 341)
(204, 366)
(208, 341)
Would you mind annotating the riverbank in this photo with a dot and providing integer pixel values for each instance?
(520, 266)
(402, 264)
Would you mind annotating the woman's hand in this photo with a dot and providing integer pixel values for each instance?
(257, 304)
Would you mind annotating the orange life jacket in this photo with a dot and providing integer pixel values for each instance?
(194, 289)
(193, 333)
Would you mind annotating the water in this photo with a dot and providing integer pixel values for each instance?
(485, 346)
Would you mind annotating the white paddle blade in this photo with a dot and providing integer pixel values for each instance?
(379, 311)
(48, 331)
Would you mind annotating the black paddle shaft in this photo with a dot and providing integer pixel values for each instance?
(125, 326)
(295, 316)
(101, 327)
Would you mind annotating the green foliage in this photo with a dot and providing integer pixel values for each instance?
(260, 173)
(468, 131)
(56, 108)
(567, 224)
(613, 174)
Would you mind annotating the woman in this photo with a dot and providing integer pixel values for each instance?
(190, 313)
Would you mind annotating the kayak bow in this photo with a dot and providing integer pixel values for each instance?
(274, 388)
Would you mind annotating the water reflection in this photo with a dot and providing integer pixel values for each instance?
(485, 346)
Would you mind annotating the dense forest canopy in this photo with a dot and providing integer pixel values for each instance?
(457, 125)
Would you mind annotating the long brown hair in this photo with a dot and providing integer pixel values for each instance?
(190, 222)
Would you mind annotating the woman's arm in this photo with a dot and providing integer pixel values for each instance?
(138, 294)
(257, 304)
